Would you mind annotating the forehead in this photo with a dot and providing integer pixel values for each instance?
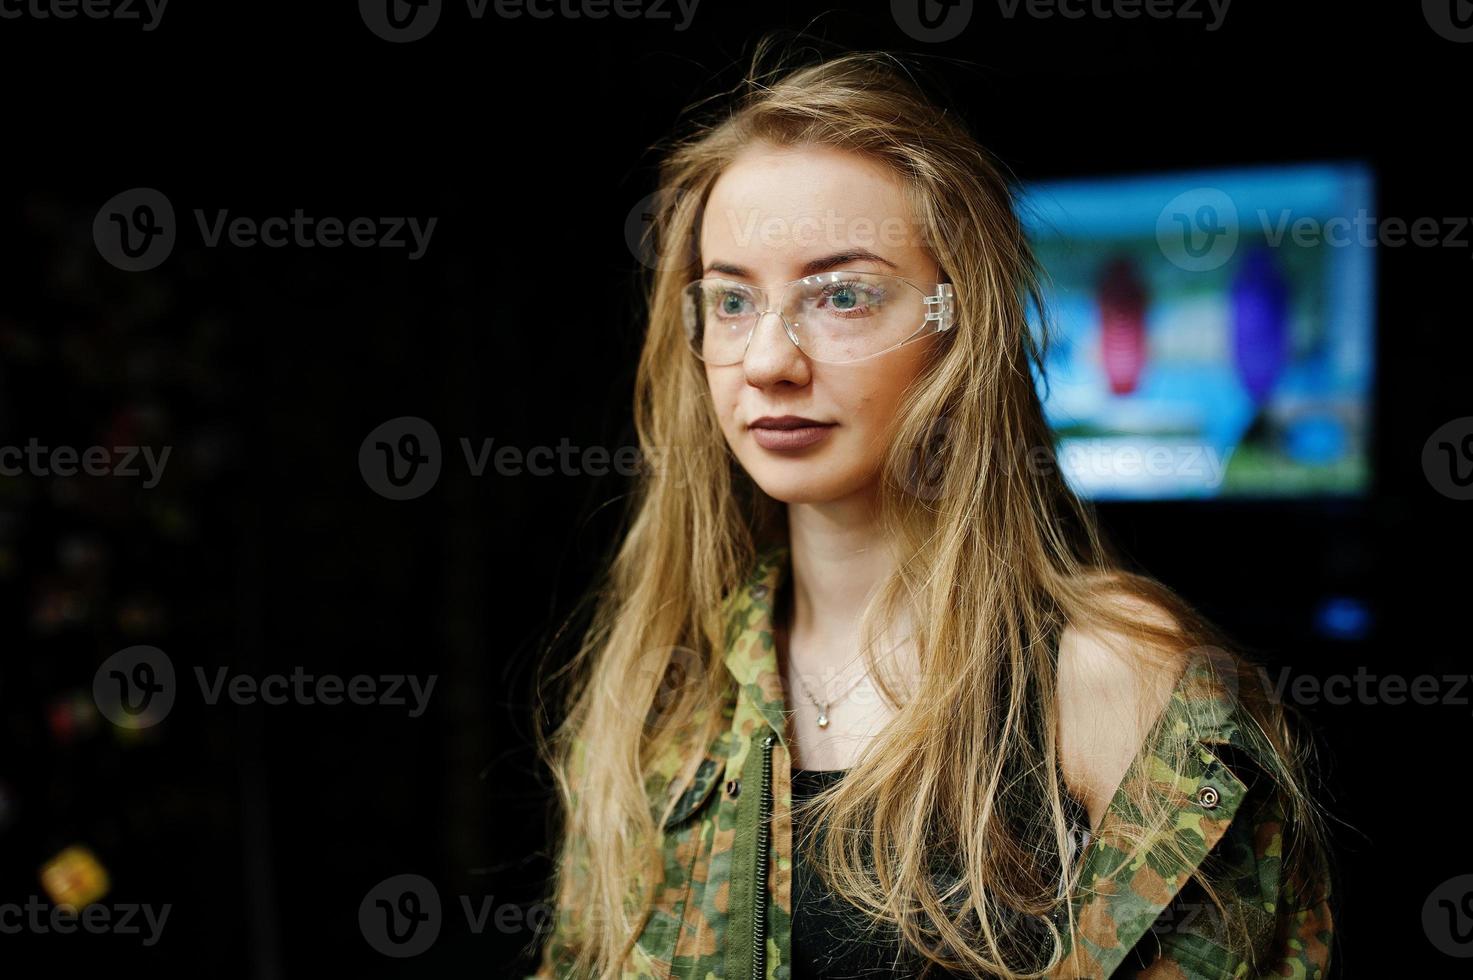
(802, 201)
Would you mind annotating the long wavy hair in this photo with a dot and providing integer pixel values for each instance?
(999, 555)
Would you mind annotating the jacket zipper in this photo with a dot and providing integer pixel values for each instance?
(764, 841)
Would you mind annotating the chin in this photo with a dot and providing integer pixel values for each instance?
(806, 481)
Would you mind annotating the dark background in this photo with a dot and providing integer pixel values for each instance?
(263, 549)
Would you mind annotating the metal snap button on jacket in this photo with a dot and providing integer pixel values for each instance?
(1207, 797)
(733, 788)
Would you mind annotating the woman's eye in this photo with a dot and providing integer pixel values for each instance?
(849, 297)
(731, 304)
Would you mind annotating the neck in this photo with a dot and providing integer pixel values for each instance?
(838, 560)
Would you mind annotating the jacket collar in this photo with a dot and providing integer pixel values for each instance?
(751, 653)
(1122, 889)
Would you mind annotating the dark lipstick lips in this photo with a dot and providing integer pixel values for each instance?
(788, 432)
(785, 422)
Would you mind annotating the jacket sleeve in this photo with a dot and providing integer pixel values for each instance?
(1288, 921)
(556, 957)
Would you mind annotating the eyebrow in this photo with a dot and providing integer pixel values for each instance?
(812, 266)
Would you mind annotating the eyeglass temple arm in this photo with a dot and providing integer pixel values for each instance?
(942, 306)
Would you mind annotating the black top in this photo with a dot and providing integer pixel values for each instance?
(829, 937)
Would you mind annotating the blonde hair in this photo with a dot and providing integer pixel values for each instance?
(1000, 555)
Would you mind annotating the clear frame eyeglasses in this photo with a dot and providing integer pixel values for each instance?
(833, 317)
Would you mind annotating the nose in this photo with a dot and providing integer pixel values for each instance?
(771, 353)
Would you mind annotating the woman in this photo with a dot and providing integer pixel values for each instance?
(1059, 772)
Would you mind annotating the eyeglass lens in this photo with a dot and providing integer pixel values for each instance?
(835, 317)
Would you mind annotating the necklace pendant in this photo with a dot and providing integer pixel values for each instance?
(823, 719)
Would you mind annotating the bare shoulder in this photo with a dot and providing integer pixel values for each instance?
(1111, 691)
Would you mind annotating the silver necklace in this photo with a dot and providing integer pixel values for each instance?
(824, 706)
(823, 709)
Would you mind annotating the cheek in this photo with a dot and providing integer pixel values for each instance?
(872, 398)
(723, 390)
(871, 401)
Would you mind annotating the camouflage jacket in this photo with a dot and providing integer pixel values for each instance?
(724, 909)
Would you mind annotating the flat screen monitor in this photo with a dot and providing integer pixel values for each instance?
(1212, 332)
